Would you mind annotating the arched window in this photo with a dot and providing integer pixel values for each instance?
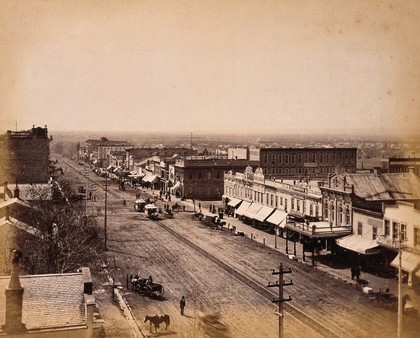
(332, 213)
(326, 210)
(347, 216)
(341, 215)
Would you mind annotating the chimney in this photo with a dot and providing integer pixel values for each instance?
(14, 299)
(7, 213)
(5, 190)
(377, 170)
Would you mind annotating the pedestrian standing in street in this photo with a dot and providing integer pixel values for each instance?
(182, 305)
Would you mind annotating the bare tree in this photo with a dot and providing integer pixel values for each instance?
(66, 241)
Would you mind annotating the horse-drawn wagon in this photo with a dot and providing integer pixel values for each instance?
(147, 287)
(151, 211)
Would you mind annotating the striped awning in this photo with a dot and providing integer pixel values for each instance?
(242, 208)
(278, 217)
(263, 214)
(234, 202)
(252, 210)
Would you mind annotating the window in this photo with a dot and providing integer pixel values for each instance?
(403, 232)
(281, 200)
(359, 228)
(267, 200)
(190, 175)
(300, 158)
(347, 216)
(374, 232)
(416, 236)
(340, 215)
(292, 204)
(321, 158)
(199, 175)
(273, 158)
(273, 170)
(277, 201)
(317, 210)
(326, 210)
(395, 227)
(266, 159)
(293, 158)
(218, 174)
(272, 200)
(313, 158)
(280, 158)
(297, 205)
(332, 213)
(387, 227)
(311, 209)
(286, 160)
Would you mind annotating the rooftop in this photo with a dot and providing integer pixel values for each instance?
(49, 301)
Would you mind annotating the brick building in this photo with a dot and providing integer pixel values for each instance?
(316, 163)
(404, 165)
(202, 177)
(24, 156)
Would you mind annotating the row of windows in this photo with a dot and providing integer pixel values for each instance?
(275, 201)
(391, 228)
(309, 158)
(300, 170)
(201, 175)
(339, 217)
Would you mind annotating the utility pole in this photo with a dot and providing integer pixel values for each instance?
(400, 304)
(106, 205)
(280, 300)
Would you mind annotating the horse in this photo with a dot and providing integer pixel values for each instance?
(157, 320)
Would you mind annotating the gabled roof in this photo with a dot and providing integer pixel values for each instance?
(20, 225)
(391, 186)
(49, 301)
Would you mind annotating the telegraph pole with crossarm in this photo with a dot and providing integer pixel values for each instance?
(280, 300)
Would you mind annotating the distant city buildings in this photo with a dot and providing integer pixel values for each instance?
(24, 156)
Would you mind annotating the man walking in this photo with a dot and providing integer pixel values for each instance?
(182, 305)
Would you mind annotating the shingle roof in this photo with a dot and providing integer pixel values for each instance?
(391, 186)
(49, 300)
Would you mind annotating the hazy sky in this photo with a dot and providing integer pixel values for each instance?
(196, 66)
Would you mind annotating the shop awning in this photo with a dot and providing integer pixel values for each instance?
(136, 175)
(234, 202)
(176, 186)
(242, 208)
(263, 213)
(278, 217)
(359, 244)
(252, 210)
(410, 262)
(133, 172)
(150, 178)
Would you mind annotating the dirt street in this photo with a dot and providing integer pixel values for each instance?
(223, 278)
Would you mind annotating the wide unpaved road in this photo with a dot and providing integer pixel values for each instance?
(224, 278)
